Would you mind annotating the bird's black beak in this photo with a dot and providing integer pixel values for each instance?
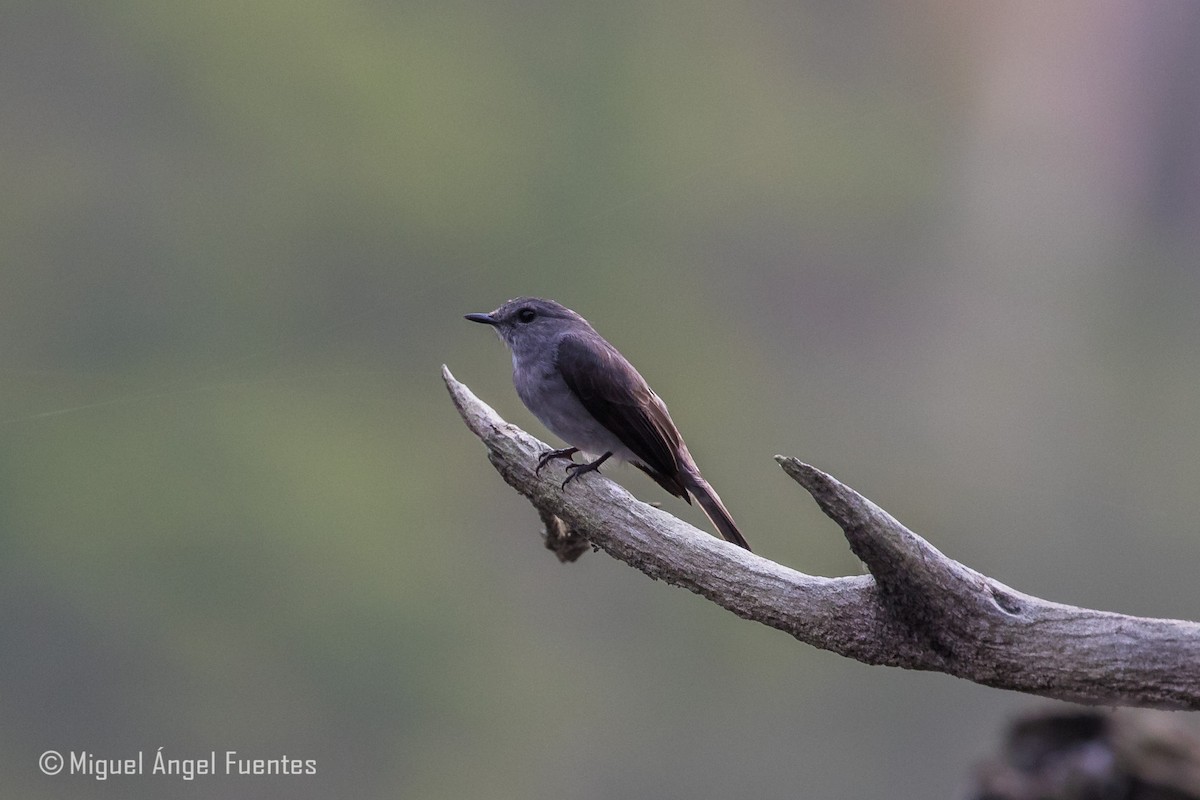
(486, 319)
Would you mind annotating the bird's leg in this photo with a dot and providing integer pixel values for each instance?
(546, 458)
(578, 469)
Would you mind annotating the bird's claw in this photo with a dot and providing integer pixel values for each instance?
(547, 457)
(578, 469)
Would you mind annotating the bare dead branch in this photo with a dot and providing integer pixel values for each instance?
(918, 609)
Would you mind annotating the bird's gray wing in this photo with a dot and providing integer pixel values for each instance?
(618, 397)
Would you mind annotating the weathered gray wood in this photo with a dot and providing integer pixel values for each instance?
(918, 609)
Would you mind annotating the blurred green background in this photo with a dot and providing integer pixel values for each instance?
(947, 253)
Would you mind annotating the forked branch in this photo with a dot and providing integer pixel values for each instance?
(918, 609)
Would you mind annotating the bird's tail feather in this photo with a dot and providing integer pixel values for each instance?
(714, 509)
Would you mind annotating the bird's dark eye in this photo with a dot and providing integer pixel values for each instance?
(526, 315)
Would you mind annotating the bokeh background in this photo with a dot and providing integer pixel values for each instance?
(947, 252)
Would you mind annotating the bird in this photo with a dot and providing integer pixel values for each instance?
(586, 393)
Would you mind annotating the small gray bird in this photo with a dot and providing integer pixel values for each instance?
(591, 397)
